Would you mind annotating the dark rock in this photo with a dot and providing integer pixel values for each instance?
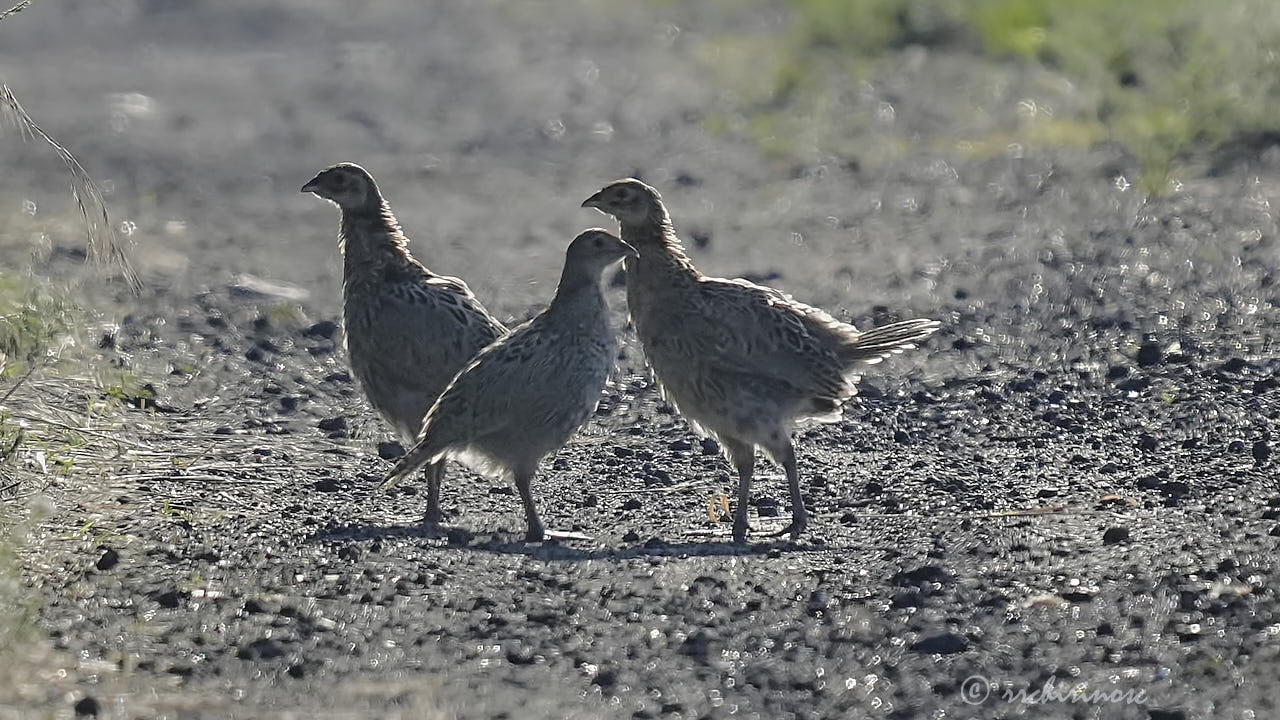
(944, 644)
(521, 656)
(632, 504)
(333, 424)
(1115, 535)
(168, 599)
(1134, 384)
(697, 645)
(88, 705)
(1150, 353)
(1234, 365)
(323, 330)
(390, 450)
(710, 447)
(1148, 443)
(605, 678)
(1149, 482)
(1175, 488)
(679, 445)
(923, 575)
(109, 559)
(261, 649)
(1160, 714)
(1261, 452)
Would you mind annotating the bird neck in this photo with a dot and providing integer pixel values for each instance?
(660, 249)
(579, 293)
(370, 232)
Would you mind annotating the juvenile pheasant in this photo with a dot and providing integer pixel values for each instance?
(524, 396)
(742, 362)
(408, 330)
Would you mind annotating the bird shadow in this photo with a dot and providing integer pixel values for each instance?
(503, 543)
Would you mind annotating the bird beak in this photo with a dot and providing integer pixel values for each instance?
(631, 250)
(592, 202)
(313, 186)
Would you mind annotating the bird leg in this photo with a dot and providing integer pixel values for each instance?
(743, 457)
(524, 483)
(786, 455)
(435, 476)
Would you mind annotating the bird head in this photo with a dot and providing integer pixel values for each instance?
(629, 200)
(347, 185)
(598, 249)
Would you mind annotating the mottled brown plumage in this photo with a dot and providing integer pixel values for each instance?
(408, 330)
(524, 396)
(741, 361)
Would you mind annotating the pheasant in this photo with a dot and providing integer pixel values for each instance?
(742, 362)
(408, 330)
(525, 395)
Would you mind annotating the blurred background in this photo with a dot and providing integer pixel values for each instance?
(874, 141)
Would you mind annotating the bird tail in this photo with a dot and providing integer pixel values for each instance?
(422, 454)
(879, 343)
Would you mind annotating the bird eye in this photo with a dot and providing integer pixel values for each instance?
(599, 242)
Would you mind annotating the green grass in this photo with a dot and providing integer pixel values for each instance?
(1169, 81)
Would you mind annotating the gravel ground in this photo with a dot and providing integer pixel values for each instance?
(1070, 486)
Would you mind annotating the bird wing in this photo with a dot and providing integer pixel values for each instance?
(739, 327)
(430, 327)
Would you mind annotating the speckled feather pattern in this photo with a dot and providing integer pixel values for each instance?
(524, 396)
(743, 362)
(740, 359)
(408, 330)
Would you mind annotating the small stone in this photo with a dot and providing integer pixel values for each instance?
(323, 330)
(1150, 353)
(1175, 488)
(1115, 535)
(261, 649)
(390, 450)
(109, 559)
(1148, 443)
(697, 645)
(333, 424)
(679, 445)
(1149, 482)
(169, 599)
(632, 504)
(710, 447)
(631, 537)
(87, 705)
(1261, 452)
(944, 644)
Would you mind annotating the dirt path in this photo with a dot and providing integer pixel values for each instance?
(1070, 484)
